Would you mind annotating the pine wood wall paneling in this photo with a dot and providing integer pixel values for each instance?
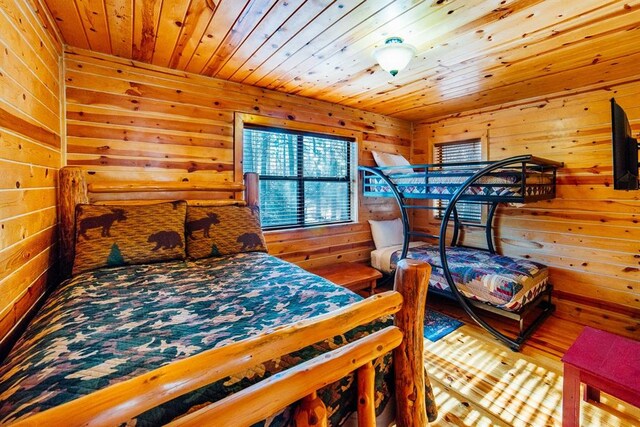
(30, 146)
(48, 24)
(470, 53)
(220, 96)
(137, 121)
(590, 234)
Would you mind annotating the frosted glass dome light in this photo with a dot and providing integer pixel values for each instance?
(395, 55)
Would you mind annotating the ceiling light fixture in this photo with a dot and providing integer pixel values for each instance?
(395, 55)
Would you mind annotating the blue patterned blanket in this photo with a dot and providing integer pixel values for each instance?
(109, 325)
(506, 282)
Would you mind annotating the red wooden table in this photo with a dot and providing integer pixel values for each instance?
(603, 362)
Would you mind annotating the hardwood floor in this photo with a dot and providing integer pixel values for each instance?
(479, 382)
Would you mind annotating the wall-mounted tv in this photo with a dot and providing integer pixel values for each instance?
(625, 150)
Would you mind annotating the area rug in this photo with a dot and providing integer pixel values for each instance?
(437, 325)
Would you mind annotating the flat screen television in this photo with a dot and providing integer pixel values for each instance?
(625, 150)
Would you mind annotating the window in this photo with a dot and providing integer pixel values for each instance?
(457, 152)
(306, 179)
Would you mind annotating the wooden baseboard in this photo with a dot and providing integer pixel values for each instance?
(615, 318)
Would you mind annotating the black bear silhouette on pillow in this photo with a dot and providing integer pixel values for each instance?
(249, 241)
(202, 224)
(104, 221)
(165, 240)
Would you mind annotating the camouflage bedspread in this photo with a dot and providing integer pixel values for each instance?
(108, 325)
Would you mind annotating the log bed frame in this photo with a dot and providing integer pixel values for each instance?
(120, 402)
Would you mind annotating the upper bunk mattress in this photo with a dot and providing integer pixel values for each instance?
(502, 281)
(503, 184)
(112, 324)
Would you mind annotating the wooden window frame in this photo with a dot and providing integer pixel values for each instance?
(484, 156)
(242, 119)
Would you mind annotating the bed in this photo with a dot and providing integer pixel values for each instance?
(477, 277)
(519, 179)
(505, 282)
(237, 337)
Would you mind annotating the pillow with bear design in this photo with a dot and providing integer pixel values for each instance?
(115, 235)
(223, 230)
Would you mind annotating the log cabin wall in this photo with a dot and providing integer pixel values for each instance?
(30, 156)
(589, 235)
(133, 121)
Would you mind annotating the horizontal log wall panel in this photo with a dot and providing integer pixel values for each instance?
(131, 121)
(19, 175)
(13, 314)
(19, 228)
(27, 40)
(149, 148)
(326, 113)
(15, 256)
(30, 156)
(15, 285)
(589, 234)
(45, 87)
(19, 104)
(18, 148)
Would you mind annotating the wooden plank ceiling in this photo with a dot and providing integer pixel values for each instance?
(470, 53)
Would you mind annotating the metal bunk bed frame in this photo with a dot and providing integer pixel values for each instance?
(526, 164)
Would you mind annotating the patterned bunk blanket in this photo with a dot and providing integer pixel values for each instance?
(112, 324)
(505, 282)
(444, 184)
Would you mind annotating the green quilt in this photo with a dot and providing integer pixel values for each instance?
(112, 324)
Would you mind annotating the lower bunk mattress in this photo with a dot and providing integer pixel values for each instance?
(109, 325)
(505, 282)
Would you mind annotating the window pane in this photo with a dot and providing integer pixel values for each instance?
(468, 212)
(325, 157)
(270, 153)
(305, 178)
(278, 203)
(461, 152)
(326, 202)
(467, 151)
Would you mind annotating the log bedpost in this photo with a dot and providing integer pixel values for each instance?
(411, 281)
(73, 191)
(311, 412)
(366, 395)
(252, 189)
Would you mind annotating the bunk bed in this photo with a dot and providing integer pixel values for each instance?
(477, 277)
(230, 339)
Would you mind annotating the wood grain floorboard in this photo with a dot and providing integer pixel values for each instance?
(479, 382)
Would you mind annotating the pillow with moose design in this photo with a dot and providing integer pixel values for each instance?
(110, 235)
(223, 230)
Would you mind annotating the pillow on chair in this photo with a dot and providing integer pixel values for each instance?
(387, 233)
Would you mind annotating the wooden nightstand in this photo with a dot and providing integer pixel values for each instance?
(351, 275)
